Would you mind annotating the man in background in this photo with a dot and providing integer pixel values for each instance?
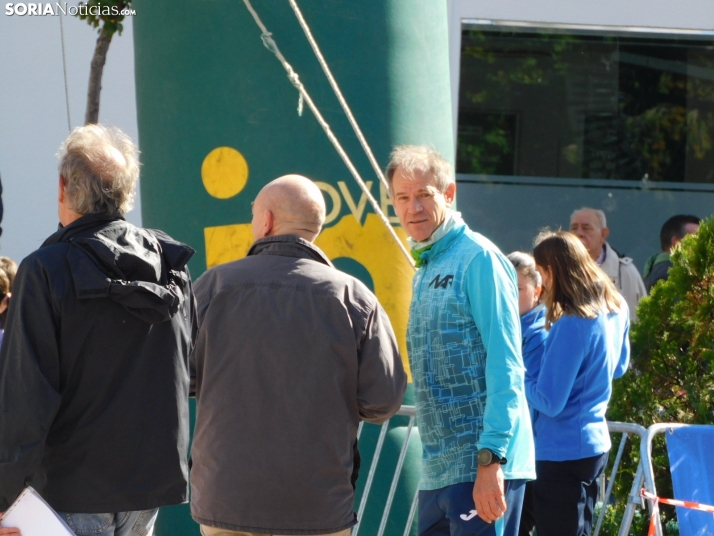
(291, 355)
(590, 226)
(94, 372)
(674, 229)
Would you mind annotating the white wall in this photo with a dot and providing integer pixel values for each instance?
(33, 115)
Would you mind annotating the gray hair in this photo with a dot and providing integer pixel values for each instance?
(10, 268)
(100, 167)
(525, 265)
(411, 158)
(599, 213)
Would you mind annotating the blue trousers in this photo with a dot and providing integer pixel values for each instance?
(450, 511)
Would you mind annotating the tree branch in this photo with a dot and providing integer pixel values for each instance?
(95, 78)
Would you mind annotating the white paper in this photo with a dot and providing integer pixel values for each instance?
(34, 517)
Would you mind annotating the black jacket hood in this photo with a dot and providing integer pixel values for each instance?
(135, 267)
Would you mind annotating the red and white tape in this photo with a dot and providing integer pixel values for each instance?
(673, 502)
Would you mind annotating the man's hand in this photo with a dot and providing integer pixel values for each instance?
(8, 531)
(488, 493)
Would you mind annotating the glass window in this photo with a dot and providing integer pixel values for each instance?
(586, 105)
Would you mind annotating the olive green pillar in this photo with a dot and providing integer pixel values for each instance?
(218, 120)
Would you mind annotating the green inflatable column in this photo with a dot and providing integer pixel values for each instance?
(218, 120)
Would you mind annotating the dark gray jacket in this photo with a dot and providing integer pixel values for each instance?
(94, 370)
(291, 355)
(659, 272)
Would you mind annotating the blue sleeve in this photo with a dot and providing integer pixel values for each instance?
(490, 284)
(564, 353)
(533, 347)
(625, 352)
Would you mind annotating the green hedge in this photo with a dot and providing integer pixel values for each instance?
(671, 377)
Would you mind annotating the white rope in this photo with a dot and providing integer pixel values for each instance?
(338, 94)
(64, 68)
(270, 44)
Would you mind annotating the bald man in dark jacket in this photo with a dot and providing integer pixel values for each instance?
(291, 355)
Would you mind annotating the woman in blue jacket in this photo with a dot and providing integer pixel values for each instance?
(533, 336)
(586, 348)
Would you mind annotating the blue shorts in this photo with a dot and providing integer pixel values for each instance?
(450, 511)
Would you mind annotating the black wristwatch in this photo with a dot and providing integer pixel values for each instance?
(487, 457)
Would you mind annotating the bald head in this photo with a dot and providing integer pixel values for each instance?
(291, 204)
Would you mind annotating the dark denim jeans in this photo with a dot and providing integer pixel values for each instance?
(140, 523)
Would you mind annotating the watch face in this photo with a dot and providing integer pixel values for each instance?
(484, 457)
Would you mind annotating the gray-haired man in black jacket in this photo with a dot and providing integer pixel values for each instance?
(291, 355)
(94, 373)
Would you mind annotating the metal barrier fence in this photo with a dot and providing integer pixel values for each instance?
(646, 457)
(644, 476)
(634, 499)
(405, 411)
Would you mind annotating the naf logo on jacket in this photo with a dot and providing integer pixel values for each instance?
(442, 282)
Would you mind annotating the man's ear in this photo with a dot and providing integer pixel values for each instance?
(62, 186)
(450, 194)
(605, 233)
(268, 223)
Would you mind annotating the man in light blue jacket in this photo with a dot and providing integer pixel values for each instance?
(464, 345)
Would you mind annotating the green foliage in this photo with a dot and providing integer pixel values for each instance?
(673, 343)
(488, 146)
(613, 519)
(107, 13)
(639, 526)
(670, 377)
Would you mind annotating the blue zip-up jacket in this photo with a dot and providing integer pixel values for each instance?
(464, 342)
(571, 392)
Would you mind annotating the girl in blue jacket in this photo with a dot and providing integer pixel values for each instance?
(586, 348)
(533, 336)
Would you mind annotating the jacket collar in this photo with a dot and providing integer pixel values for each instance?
(438, 234)
(445, 242)
(611, 264)
(289, 246)
(79, 226)
(533, 316)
